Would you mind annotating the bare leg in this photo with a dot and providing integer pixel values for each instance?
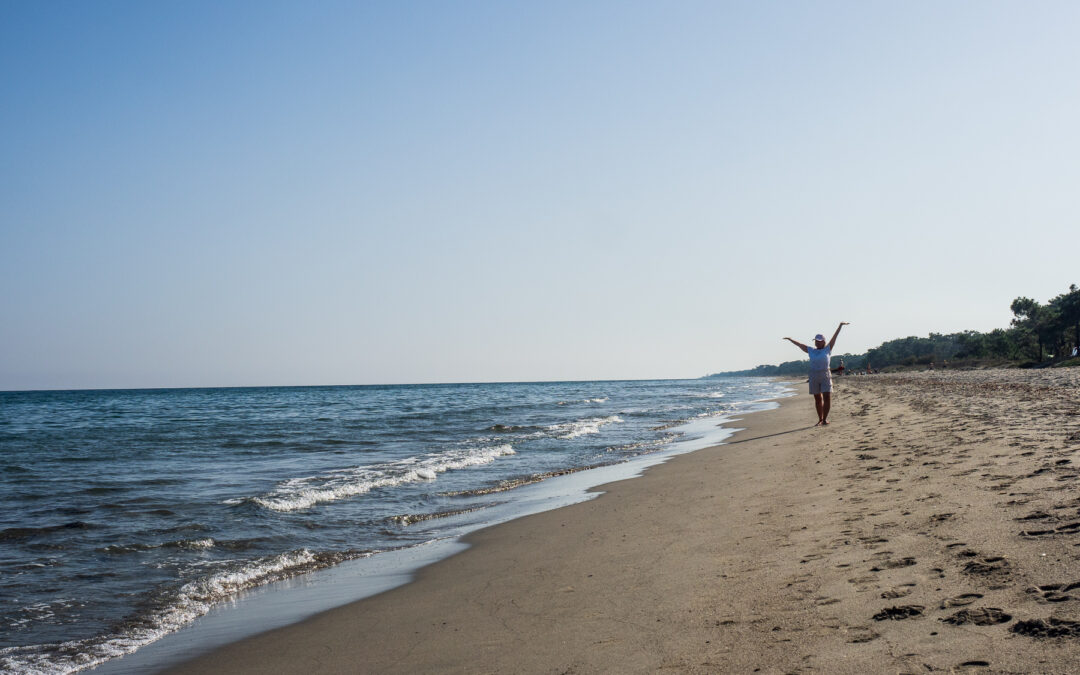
(826, 404)
(819, 405)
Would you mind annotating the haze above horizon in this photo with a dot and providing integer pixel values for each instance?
(271, 193)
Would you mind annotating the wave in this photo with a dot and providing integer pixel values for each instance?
(413, 518)
(644, 447)
(512, 428)
(173, 610)
(512, 483)
(303, 493)
(722, 411)
(252, 443)
(668, 425)
(13, 533)
(190, 544)
(569, 430)
(599, 399)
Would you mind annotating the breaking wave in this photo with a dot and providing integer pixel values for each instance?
(568, 430)
(303, 493)
(172, 611)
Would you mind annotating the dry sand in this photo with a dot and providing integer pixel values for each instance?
(931, 528)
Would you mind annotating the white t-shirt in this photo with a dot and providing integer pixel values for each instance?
(819, 359)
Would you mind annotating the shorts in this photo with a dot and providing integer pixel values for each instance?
(820, 383)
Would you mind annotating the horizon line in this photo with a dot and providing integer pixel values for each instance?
(382, 384)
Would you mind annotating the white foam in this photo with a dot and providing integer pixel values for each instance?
(568, 430)
(303, 493)
(193, 600)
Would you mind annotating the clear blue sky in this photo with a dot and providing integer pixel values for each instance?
(248, 193)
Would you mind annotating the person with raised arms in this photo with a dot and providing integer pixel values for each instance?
(820, 374)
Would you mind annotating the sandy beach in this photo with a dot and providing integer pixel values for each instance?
(932, 527)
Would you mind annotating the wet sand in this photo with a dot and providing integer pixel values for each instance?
(932, 527)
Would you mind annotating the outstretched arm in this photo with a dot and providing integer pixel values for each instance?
(834, 335)
(797, 344)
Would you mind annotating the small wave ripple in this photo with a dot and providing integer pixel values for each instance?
(190, 544)
(598, 399)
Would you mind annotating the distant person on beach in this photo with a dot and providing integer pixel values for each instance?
(840, 369)
(820, 375)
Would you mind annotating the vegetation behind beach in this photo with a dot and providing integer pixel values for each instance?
(1038, 335)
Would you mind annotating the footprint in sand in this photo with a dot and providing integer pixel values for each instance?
(1050, 628)
(873, 541)
(981, 616)
(1016, 502)
(1071, 528)
(960, 600)
(898, 591)
(1037, 515)
(899, 613)
(893, 564)
(860, 634)
(1053, 592)
(992, 568)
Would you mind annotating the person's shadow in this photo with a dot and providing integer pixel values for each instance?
(778, 433)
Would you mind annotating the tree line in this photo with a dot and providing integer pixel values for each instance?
(1039, 334)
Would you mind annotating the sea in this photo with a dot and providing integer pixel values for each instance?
(129, 514)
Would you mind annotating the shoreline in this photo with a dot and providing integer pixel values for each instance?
(431, 579)
(287, 602)
(930, 528)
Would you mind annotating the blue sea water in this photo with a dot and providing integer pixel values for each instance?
(127, 514)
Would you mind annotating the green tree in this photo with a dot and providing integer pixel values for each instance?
(1036, 322)
(1067, 307)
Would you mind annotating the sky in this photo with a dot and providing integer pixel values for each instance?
(286, 193)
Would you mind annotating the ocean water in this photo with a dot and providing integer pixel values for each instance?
(127, 514)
